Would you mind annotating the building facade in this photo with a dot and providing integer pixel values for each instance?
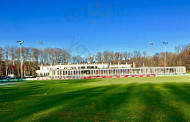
(101, 70)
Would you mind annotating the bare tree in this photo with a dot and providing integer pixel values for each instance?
(99, 57)
(125, 56)
(106, 56)
(116, 57)
(7, 58)
(74, 59)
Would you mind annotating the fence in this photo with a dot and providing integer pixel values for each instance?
(59, 73)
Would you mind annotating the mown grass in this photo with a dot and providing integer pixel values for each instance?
(125, 99)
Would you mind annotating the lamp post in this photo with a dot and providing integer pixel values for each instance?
(151, 43)
(41, 43)
(41, 61)
(20, 42)
(165, 43)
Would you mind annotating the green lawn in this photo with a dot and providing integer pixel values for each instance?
(131, 99)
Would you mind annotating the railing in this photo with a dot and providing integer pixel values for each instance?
(117, 72)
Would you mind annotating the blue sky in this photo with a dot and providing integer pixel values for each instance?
(92, 26)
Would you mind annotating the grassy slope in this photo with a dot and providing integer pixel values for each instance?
(143, 99)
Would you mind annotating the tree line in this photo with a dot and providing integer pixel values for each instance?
(33, 57)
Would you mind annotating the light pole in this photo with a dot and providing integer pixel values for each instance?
(41, 43)
(151, 43)
(41, 62)
(165, 43)
(20, 42)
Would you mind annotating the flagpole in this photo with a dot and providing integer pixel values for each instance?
(20, 42)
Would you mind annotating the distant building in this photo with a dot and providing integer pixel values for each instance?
(103, 69)
(44, 70)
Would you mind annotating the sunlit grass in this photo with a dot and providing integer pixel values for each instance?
(130, 99)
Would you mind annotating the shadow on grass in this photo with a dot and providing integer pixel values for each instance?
(181, 91)
(34, 88)
(94, 107)
(156, 108)
(99, 103)
(18, 92)
(77, 98)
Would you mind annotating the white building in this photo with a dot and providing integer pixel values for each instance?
(45, 70)
(96, 70)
